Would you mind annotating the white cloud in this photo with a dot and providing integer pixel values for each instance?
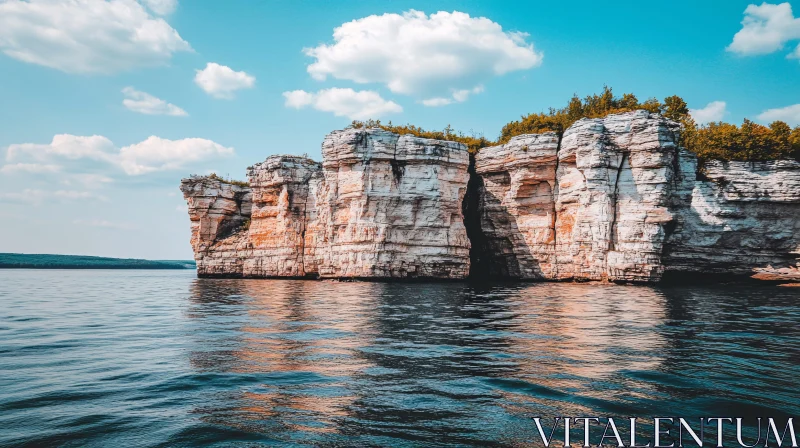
(789, 114)
(95, 147)
(796, 53)
(182, 208)
(144, 103)
(343, 102)
(35, 168)
(34, 196)
(458, 96)
(158, 154)
(151, 155)
(298, 98)
(714, 111)
(87, 180)
(221, 81)
(102, 223)
(765, 29)
(86, 36)
(161, 7)
(420, 55)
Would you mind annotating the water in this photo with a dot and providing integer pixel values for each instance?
(160, 358)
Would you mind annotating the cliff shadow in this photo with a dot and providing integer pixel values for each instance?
(494, 253)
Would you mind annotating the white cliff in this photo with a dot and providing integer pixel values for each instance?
(595, 208)
(390, 206)
(614, 199)
(737, 218)
(380, 206)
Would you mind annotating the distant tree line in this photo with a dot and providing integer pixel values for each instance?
(53, 261)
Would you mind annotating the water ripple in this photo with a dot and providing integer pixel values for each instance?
(160, 358)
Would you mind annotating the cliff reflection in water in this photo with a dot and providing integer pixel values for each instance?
(136, 358)
(421, 360)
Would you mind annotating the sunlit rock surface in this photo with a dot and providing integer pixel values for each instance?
(390, 206)
(281, 203)
(614, 199)
(218, 211)
(517, 208)
(740, 218)
(380, 206)
(595, 208)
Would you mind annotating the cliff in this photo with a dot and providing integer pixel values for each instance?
(613, 199)
(379, 206)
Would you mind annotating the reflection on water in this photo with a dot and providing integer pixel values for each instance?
(167, 359)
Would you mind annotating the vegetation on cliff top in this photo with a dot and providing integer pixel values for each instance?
(472, 142)
(240, 183)
(715, 141)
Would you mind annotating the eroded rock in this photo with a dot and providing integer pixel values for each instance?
(613, 199)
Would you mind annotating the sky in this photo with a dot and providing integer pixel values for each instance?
(107, 104)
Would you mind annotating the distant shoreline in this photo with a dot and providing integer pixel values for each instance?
(54, 261)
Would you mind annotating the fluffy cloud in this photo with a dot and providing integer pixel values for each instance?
(86, 180)
(95, 147)
(35, 168)
(343, 102)
(714, 111)
(789, 114)
(34, 196)
(458, 96)
(162, 7)
(86, 36)
(144, 103)
(151, 155)
(221, 81)
(102, 223)
(766, 29)
(425, 56)
(158, 154)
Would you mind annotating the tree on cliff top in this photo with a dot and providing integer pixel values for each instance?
(472, 142)
(715, 141)
(592, 106)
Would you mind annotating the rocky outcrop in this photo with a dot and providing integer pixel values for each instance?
(593, 206)
(736, 218)
(219, 212)
(390, 206)
(281, 187)
(613, 199)
(516, 187)
(380, 206)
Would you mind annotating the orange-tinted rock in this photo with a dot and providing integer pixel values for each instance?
(614, 199)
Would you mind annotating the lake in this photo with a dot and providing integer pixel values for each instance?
(161, 358)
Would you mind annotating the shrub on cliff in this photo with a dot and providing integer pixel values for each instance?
(748, 142)
(592, 106)
(473, 142)
(240, 183)
(715, 141)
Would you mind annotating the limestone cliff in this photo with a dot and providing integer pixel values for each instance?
(593, 206)
(218, 212)
(737, 218)
(613, 199)
(380, 206)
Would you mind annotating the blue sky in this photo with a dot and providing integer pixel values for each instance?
(116, 194)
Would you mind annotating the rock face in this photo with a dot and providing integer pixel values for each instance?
(742, 219)
(613, 199)
(380, 206)
(218, 212)
(593, 206)
(390, 206)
